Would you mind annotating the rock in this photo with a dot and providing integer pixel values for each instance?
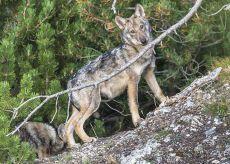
(182, 130)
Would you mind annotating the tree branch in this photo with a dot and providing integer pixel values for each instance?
(113, 6)
(151, 45)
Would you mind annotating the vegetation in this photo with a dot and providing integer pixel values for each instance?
(43, 42)
(219, 109)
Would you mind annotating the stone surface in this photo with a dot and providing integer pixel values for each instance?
(180, 131)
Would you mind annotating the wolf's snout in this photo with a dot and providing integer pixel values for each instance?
(143, 41)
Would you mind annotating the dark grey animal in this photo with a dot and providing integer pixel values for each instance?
(44, 138)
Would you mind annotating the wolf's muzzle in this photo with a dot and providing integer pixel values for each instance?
(143, 41)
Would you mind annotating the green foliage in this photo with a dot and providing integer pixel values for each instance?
(7, 59)
(219, 109)
(43, 42)
(98, 129)
(11, 149)
(223, 62)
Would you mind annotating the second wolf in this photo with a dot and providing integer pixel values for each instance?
(44, 138)
(136, 33)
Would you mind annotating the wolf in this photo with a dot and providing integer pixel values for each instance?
(44, 138)
(136, 34)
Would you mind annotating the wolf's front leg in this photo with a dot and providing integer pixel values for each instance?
(152, 83)
(133, 100)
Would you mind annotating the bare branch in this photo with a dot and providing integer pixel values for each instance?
(29, 115)
(26, 102)
(151, 45)
(56, 109)
(113, 6)
(68, 108)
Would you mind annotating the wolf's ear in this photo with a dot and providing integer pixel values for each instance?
(139, 11)
(61, 132)
(120, 22)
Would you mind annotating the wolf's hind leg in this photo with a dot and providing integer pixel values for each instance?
(79, 126)
(85, 113)
(152, 83)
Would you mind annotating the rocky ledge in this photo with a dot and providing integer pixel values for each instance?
(192, 127)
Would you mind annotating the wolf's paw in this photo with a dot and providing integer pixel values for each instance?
(90, 139)
(164, 101)
(138, 122)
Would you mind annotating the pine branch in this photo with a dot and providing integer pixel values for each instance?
(151, 45)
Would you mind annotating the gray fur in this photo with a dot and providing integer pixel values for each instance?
(136, 33)
(43, 138)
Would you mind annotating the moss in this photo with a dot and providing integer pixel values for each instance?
(218, 109)
(221, 62)
(109, 145)
(227, 141)
(86, 160)
(98, 129)
(161, 134)
(67, 157)
(224, 77)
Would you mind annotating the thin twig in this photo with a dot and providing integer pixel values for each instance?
(68, 108)
(10, 111)
(56, 109)
(117, 110)
(26, 102)
(225, 7)
(212, 44)
(29, 115)
(93, 130)
(44, 19)
(151, 45)
(113, 6)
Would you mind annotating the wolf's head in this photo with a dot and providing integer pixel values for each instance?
(61, 132)
(136, 30)
(60, 142)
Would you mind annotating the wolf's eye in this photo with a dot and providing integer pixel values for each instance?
(141, 26)
(132, 31)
